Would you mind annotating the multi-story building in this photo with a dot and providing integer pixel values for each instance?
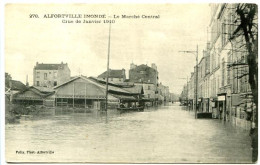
(164, 93)
(143, 74)
(150, 95)
(223, 86)
(50, 75)
(191, 91)
(114, 76)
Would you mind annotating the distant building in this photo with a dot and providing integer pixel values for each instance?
(148, 76)
(164, 93)
(50, 75)
(143, 73)
(115, 76)
(150, 95)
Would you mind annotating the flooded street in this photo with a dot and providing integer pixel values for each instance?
(164, 135)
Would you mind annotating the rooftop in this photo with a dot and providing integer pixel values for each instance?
(43, 66)
(113, 74)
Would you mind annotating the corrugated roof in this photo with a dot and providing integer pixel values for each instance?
(43, 89)
(113, 74)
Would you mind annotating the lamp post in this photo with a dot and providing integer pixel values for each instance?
(196, 81)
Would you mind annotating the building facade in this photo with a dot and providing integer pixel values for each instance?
(164, 94)
(223, 75)
(50, 75)
(148, 77)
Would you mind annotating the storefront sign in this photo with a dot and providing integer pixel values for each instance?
(221, 98)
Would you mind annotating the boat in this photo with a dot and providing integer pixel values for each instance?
(131, 108)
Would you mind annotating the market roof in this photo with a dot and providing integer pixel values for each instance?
(113, 74)
(97, 83)
(43, 89)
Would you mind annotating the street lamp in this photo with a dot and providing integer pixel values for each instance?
(196, 82)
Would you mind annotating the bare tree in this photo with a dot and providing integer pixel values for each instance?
(248, 29)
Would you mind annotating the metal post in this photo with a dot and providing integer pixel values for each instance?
(188, 93)
(108, 66)
(73, 93)
(85, 95)
(196, 94)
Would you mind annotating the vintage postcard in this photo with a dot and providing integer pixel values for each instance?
(131, 83)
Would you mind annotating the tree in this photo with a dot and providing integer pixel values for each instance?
(248, 29)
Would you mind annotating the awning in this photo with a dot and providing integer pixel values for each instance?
(126, 98)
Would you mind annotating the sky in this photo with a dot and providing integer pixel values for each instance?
(85, 46)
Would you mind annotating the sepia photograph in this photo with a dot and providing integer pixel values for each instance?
(130, 83)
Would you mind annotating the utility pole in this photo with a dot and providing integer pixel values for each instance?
(188, 93)
(196, 108)
(196, 53)
(108, 55)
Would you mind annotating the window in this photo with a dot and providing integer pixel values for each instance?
(55, 83)
(49, 72)
(37, 74)
(148, 96)
(149, 87)
(45, 76)
(55, 74)
(111, 79)
(37, 83)
(119, 79)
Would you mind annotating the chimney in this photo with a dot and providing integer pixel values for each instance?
(27, 83)
(154, 66)
(132, 66)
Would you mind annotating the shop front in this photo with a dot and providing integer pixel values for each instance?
(200, 104)
(213, 107)
(205, 104)
(221, 106)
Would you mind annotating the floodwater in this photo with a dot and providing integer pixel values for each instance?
(168, 134)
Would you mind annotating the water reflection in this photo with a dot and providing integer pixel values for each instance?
(165, 134)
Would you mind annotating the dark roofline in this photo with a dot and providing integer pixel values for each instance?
(143, 65)
(104, 74)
